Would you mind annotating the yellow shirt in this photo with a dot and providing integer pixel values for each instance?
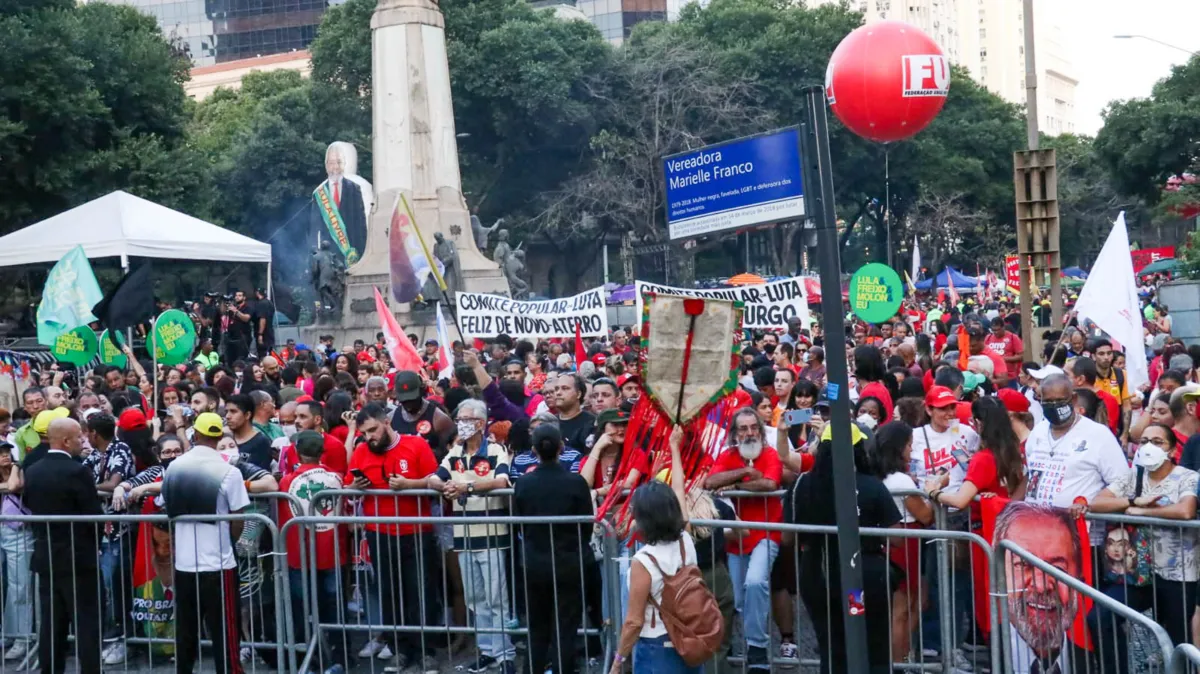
(1118, 391)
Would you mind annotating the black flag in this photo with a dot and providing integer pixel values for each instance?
(128, 304)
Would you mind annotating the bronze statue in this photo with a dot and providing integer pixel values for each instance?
(480, 233)
(512, 264)
(327, 273)
(445, 251)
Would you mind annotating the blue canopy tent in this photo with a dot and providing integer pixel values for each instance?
(1075, 272)
(961, 281)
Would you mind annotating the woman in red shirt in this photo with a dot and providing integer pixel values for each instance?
(874, 381)
(997, 469)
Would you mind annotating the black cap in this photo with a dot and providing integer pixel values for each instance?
(408, 386)
(309, 443)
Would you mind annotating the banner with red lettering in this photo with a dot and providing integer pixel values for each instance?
(1012, 272)
(1145, 257)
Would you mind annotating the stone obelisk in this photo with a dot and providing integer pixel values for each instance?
(415, 152)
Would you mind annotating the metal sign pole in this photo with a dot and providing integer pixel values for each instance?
(819, 205)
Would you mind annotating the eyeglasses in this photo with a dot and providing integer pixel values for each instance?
(471, 419)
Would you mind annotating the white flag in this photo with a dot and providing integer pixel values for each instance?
(916, 262)
(445, 350)
(1110, 298)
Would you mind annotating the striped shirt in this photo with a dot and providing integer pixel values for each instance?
(528, 460)
(485, 464)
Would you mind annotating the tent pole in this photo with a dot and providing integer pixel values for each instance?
(125, 272)
(153, 366)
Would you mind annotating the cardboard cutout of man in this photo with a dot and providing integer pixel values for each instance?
(343, 202)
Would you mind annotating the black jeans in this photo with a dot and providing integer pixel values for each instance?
(67, 600)
(211, 598)
(1173, 603)
(413, 561)
(555, 614)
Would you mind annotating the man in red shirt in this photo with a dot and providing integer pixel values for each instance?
(1006, 345)
(309, 417)
(405, 552)
(750, 464)
(328, 543)
(1082, 372)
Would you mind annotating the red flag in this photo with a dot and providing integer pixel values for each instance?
(953, 292)
(580, 352)
(404, 354)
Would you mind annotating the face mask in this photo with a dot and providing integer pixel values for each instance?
(867, 420)
(1059, 413)
(466, 430)
(750, 449)
(167, 462)
(1150, 457)
(289, 430)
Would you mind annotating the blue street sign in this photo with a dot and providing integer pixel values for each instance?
(734, 185)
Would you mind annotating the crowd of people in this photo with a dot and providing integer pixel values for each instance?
(204, 437)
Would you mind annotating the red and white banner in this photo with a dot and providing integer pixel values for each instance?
(1145, 257)
(1012, 272)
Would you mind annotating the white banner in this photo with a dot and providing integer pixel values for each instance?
(485, 315)
(768, 306)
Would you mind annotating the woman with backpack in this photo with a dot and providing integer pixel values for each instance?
(673, 624)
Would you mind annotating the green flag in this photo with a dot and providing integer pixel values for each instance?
(67, 300)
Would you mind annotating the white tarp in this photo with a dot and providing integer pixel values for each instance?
(120, 224)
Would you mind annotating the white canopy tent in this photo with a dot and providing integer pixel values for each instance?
(122, 225)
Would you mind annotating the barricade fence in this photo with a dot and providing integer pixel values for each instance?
(434, 588)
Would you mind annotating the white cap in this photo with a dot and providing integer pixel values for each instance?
(1191, 390)
(1046, 371)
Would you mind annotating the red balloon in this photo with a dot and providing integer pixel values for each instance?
(887, 80)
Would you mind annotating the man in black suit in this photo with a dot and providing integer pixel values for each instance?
(348, 198)
(65, 555)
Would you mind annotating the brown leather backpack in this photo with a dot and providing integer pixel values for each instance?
(690, 612)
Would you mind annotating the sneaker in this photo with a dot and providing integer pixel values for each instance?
(114, 654)
(18, 650)
(399, 663)
(756, 659)
(336, 669)
(375, 648)
(788, 650)
(508, 667)
(481, 665)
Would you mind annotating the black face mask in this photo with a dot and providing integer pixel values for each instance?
(1058, 414)
(413, 406)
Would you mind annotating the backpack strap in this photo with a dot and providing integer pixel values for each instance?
(1137, 485)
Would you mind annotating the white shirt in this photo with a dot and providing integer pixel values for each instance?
(898, 482)
(933, 452)
(1080, 463)
(208, 547)
(667, 555)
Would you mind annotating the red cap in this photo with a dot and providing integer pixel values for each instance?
(626, 378)
(940, 396)
(599, 359)
(305, 399)
(1013, 401)
(131, 419)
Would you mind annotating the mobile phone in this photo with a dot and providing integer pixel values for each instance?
(797, 417)
(960, 456)
(357, 472)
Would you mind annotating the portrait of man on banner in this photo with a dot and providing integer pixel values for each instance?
(343, 202)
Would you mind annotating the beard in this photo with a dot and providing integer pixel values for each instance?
(750, 449)
(1041, 618)
(381, 445)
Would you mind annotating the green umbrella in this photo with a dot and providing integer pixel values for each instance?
(1166, 264)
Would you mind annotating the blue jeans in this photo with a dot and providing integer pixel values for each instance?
(16, 549)
(751, 576)
(485, 591)
(116, 572)
(653, 656)
(326, 607)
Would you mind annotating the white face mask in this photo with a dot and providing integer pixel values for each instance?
(750, 449)
(1150, 457)
(466, 430)
(867, 420)
(289, 430)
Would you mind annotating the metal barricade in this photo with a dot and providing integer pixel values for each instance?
(103, 582)
(1185, 659)
(405, 614)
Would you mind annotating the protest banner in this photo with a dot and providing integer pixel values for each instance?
(767, 306)
(485, 315)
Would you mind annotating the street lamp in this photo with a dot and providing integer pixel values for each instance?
(1147, 37)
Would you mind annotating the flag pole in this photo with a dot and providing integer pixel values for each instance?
(153, 368)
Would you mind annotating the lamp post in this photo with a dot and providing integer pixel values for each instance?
(1156, 41)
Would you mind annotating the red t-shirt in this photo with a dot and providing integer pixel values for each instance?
(765, 509)
(1113, 407)
(304, 484)
(409, 457)
(333, 456)
(640, 462)
(878, 390)
(982, 472)
(1004, 347)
